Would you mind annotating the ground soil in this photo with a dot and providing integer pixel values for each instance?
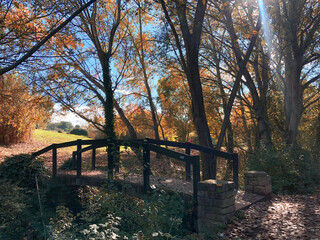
(280, 217)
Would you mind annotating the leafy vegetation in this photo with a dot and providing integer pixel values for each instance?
(63, 125)
(292, 170)
(79, 131)
(119, 216)
(22, 170)
(20, 110)
(81, 212)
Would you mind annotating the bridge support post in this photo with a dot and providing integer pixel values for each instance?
(196, 177)
(216, 204)
(110, 161)
(117, 158)
(93, 159)
(257, 182)
(54, 161)
(146, 168)
(78, 179)
(188, 171)
(235, 166)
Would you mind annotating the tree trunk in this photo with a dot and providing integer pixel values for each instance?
(190, 66)
(153, 109)
(108, 106)
(132, 132)
(293, 101)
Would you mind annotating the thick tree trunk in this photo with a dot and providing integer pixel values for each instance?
(108, 106)
(199, 115)
(293, 101)
(191, 38)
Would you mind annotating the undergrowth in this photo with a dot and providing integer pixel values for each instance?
(81, 212)
(292, 169)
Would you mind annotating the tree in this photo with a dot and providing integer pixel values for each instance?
(297, 28)
(27, 54)
(190, 38)
(71, 80)
(20, 110)
(141, 68)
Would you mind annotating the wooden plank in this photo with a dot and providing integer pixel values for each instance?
(93, 158)
(196, 178)
(54, 161)
(42, 151)
(66, 144)
(188, 171)
(200, 148)
(235, 166)
(79, 145)
(166, 143)
(110, 161)
(146, 168)
(170, 153)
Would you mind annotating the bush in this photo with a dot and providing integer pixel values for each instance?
(79, 131)
(292, 170)
(22, 169)
(11, 202)
(118, 216)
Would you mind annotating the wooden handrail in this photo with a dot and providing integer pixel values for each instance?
(147, 145)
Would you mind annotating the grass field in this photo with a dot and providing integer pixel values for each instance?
(50, 137)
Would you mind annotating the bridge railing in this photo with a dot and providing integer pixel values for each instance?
(213, 152)
(147, 145)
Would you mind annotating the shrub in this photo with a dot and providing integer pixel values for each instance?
(71, 164)
(292, 170)
(11, 202)
(22, 169)
(79, 131)
(118, 216)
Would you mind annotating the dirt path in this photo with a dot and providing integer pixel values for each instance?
(282, 217)
(7, 151)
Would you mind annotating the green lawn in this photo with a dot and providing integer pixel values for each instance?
(50, 137)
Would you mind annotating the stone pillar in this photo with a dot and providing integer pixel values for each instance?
(216, 204)
(257, 182)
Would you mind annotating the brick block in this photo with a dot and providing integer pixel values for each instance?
(215, 185)
(221, 218)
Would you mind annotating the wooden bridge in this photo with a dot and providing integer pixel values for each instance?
(143, 148)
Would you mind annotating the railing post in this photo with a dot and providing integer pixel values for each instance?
(78, 179)
(93, 160)
(110, 161)
(146, 168)
(235, 163)
(74, 156)
(54, 160)
(117, 158)
(196, 177)
(214, 164)
(188, 171)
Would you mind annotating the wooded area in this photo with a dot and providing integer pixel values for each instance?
(233, 74)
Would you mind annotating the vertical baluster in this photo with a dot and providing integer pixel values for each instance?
(146, 168)
(54, 160)
(188, 171)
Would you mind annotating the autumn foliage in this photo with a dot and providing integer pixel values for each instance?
(20, 111)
